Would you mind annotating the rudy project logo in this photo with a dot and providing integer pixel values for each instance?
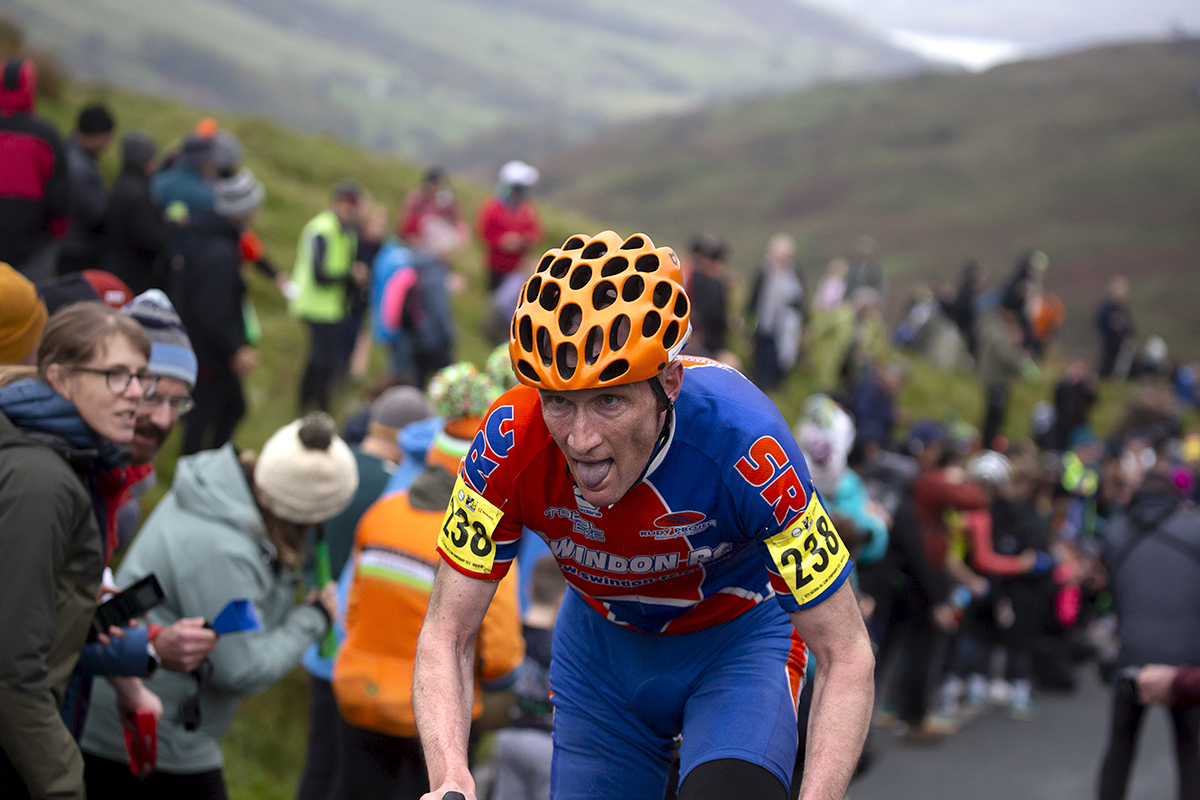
(679, 523)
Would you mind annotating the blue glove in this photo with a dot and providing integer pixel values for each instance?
(1044, 563)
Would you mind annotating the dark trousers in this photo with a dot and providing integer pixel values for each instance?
(766, 361)
(110, 780)
(220, 406)
(322, 759)
(997, 407)
(911, 640)
(322, 369)
(380, 767)
(11, 785)
(1122, 743)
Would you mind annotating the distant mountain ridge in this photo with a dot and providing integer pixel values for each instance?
(1093, 157)
(430, 78)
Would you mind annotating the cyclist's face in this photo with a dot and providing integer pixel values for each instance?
(606, 434)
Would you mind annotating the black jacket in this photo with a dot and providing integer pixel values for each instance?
(137, 233)
(208, 291)
(1152, 554)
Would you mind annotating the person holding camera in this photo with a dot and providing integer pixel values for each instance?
(232, 527)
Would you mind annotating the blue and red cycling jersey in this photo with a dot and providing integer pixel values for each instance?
(724, 518)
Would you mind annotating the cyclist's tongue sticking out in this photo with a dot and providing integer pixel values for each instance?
(592, 473)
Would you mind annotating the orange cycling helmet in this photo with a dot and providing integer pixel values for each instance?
(600, 312)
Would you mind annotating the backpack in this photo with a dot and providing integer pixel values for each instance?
(400, 306)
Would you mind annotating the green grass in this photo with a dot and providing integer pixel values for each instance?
(265, 746)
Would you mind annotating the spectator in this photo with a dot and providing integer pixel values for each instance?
(874, 406)
(185, 189)
(776, 304)
(137, 232)
(831, 292)
(523, 752)
(209, 293)
(83, 246)
(706, 284)
(962, 309)
(395, 547)
(232, 527)
(354, 347)
(1001, 361)
(376, 457)
(413, 314)
(61, 427)
(35, 191)
(326, 270)
(864, 269)
(1074, 397)
(22, 318)
(430, 218)
(91, 285)
(508, 221)
(1116, 329)
(1152, 554)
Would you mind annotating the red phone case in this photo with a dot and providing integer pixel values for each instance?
(141, 745)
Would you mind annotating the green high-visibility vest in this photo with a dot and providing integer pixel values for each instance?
(315, 302)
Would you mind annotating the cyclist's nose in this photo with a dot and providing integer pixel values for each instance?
(584, 434)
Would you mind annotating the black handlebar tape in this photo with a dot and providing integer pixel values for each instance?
(453, 796)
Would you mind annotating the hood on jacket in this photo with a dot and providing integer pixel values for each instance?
(46, 416)
(213, 484)
(1151, 504)
(18, 85)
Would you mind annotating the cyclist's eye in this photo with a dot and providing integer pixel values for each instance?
(609, 399)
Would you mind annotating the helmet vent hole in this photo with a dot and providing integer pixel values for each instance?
(662, 295)
(634, 243)
(596, 249)
(528, 371)
(566, 359)
(560, 267)
(651, 323)
(581, 276)
(545, 262)
(512, 326)
(550, 295)
(614, 266)
(614, 370)
(545, 346)
(535, 286)
(604, 295)
(618, 334)
(632, 288)
(574, 243)
(570, 318)
(670, 335)
(593, 346)
(681, 305)
(646, 263)
(525, 334)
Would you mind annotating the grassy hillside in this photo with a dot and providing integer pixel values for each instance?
(1093, 157)
(428, 76)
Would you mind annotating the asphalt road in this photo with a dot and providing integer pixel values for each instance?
(1055, 756)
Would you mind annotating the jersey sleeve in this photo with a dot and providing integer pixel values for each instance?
(482, 526)
(806, 560)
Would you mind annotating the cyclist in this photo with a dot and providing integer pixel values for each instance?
(677, 505)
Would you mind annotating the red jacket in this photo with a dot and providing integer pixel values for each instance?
(497, 218)
(934, 494)
(34, 189)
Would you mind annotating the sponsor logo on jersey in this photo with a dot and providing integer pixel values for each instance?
(567, 550)
(578, 523)
(766, 465)
(679, 523)
(584, 506)
(491, 443)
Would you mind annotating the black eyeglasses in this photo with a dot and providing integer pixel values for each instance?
(179, 405)
(118, 379)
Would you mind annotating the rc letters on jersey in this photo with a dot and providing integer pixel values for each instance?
(809, 555)
(467, 529)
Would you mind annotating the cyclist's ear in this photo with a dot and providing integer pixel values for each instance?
(672, 379)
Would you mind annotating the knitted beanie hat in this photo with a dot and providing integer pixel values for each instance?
(238, 195)
(306, 473)
(95, 118)
(22, 316)
(171, 353)
(461, 395)
(397, 408)
(227, 152)
(137, 150)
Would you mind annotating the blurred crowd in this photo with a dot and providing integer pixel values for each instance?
(989, 568)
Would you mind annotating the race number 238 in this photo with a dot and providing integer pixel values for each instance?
(809, 555)
(466, 536)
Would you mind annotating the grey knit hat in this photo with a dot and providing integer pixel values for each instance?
(171, 353)
(227, 152)
(397, 408)
(239, 195)
(137, 150)
(306, 473)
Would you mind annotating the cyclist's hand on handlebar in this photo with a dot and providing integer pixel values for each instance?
(450, 791)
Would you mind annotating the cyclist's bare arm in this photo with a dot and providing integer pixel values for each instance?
(843, 693)
(443, 678)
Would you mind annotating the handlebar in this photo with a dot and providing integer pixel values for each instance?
(453, 796)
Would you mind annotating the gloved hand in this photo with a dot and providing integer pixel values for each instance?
(1044, 562)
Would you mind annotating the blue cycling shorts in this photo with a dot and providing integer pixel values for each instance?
(622, 696)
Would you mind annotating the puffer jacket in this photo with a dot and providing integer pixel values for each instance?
(51, 559)
(207, 544)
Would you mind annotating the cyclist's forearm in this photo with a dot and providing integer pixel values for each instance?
(843, 696)
(443, 693)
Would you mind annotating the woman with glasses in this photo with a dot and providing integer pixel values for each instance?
(62, 424)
